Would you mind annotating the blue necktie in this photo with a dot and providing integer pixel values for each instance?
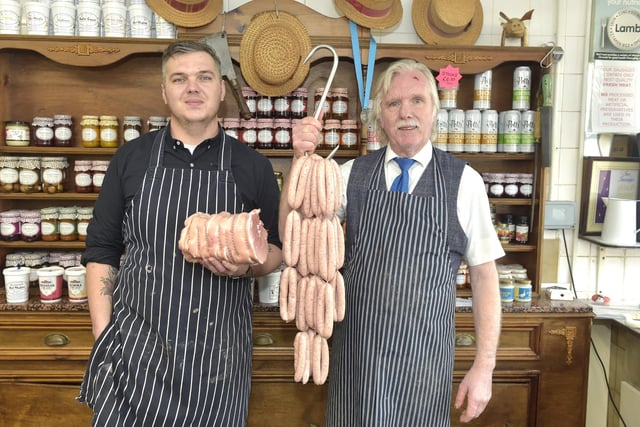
(401, 183)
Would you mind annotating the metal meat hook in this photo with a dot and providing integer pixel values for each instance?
(327, 86)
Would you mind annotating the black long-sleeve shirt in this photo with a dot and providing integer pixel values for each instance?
(252, 172)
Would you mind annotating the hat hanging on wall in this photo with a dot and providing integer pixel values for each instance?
(187, 13)
(272, 53)
(375, 14)
(447, 22)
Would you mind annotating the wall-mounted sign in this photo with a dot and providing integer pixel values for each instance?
(623, 29)
(615, 106)
(615, 30)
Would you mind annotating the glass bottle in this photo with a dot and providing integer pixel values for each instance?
(522, 230)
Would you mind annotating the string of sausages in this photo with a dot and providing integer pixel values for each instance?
(311, 286)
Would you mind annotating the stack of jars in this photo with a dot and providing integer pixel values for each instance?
(291, 105)
(33, 174)
(89, 175)
(508, 185)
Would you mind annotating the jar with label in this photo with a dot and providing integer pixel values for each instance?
(525, 186)
(264, 107)
(502, 230)
(265, 133)
(248, 132)
(299, 103)
(67, 222)
(231, 126)
(131, 128)
(98, 171)
(156, 123)
(282, 106)
(10, 225)
(14, 260)
(349, 134)
(496, 185)
(29, 174)
(54, 174)
(522, 230)
(510, 185)
(108, 131)
(508, 219)
(332, 134)
(340, 103)
(49, 224)
(506, 290)
(327, 103)
(522, 291)
(67, 260)
(42, 131)
(250, 98)
(9, 178)
(62, 130)
(34, 261)
(282, 134)
(17, 133)
(90, 126)
(279, 179)
(83, 176)
(84, 217)
(30, 225)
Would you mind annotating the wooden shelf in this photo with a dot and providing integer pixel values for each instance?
(41, 244)
(48, 196)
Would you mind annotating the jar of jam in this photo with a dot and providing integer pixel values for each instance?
(54, 174)
(98, 170)
(53, 258)
(264, 107)
(131, 128)
(90, 126)
(67, 221)
(108, 131)
(248, 132)
(62, 130)
(496, 186)
(250, 98)
(349, 134)
(525, 186)
(14, 260)
(282, 106)
(282, 133)
(9, 178)
(232, 126)
(340, 103)
(327, 103)
(67, 260)
(156, 123)
(33, 260)
(331, 133)
(10, 225)
(299, 102)
(17, 133)
(84, 217)
(83, 176)
(30, 226)
(29, 174)
(265, 133)
(42, 131)
(510, 185)
(49, 224)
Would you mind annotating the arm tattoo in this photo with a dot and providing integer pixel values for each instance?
(108, 282)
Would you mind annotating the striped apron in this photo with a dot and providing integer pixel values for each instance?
(392, 356)
(177, 351)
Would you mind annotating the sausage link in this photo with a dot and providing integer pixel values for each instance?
(321, 244)
(283, 295)
(309, 302)
(301, 319)
(320, 311)
(328, 311)
(340, 242)
(300, 355)
(339, 185)
(295, 178)
(339, 297)
(330, 189)
(321, 188)
(311, 334)
(292, 302)
(303, 266)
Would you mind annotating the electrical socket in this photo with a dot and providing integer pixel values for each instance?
(559, 215)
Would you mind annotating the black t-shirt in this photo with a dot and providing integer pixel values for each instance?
(252, 172)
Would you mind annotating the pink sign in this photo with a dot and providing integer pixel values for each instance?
(449, 77)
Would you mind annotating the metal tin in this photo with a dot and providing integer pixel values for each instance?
(17, 133)
(482, 90)
(448, 97)
(472, 124)
(527, 123)
(489, 131)
(442, 128)
(455, 140)
(511, 131)
(521, 88)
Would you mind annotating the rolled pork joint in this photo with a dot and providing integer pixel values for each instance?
(236, 238)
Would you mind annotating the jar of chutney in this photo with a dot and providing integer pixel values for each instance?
(83, 176)
(90, 131)
(42, 131)
(62, 130)
(108, 131)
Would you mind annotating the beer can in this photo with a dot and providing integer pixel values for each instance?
(489, 131)
(455, 141)
(521, 88)
(482, 90)
(527, 123)
(472, 122)
(501, 131)
(511, 131)
(442, 129)
(448, 97)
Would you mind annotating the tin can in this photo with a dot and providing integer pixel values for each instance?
(442, 128)
(511, 131)
(489, 131)
(472, 122)
(448, 97)
(521, 88)
(527, 123)
(455, 140)
(482, 90)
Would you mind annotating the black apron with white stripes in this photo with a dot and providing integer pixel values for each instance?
(178, 349)
(392, 356)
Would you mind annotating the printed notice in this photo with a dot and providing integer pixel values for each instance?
(615, 103)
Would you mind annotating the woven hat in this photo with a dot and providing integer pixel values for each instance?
(447, 22)
(272, 53)
(187, 13)
(377, 14)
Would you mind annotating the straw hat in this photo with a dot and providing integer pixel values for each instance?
(447, 22)
(272, 51)
(187, 13)
(377, 14)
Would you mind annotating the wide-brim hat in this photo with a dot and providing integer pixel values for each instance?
(187, 13)
(447, 22)
(375, 14)
(272, 53)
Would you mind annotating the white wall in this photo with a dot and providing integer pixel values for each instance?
(566, 24)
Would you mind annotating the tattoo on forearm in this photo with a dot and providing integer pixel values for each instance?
(108, 282)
